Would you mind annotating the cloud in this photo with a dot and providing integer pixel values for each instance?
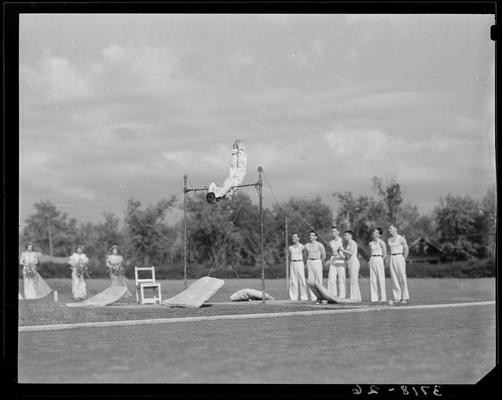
(134, 69)
(130, 114)
(240, 59)
(398, 99)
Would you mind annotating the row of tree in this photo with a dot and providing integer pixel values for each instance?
(227, 235)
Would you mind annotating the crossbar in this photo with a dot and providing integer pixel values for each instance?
(206, 189)
(259, 186)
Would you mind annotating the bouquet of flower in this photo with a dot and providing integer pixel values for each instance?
(118, 270)
(81, 269)
(29, 270)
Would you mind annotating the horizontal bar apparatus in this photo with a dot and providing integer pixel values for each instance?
(206, 189)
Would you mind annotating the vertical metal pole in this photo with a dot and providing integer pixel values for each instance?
(260, 192)
(50, 235)
(185, 229)
(287, 252)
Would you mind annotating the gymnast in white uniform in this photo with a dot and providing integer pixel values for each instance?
(297, 284)
(236, 176)
(377, 261)
(397, 265)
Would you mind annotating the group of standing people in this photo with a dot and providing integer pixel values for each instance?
(344, 256)
(36, 288)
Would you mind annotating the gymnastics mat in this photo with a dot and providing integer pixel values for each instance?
(105, 298)
(249, 294)
(196, 294)
(322, 294)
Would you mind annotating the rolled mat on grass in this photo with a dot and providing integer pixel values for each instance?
(322, 294)
(105, 298)
(196, 294)
(249, 294)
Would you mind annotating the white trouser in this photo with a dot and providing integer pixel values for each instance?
(297, 284)
(226, 190)
(336, 279)
(353, 267)
(398, 276)
(377, 279)
(314, 272)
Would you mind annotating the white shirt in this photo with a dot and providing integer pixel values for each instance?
(315, 250)
(352, 247)
(376, 248)
(296, 252)
(335, 244)
(396, 246)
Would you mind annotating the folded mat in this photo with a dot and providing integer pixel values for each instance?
(196, 294)
(323, 294)
(249, 294)
(105, 298)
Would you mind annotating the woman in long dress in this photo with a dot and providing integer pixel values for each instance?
(78, 262)
(115, 262)
(34, 286)
(397, 265)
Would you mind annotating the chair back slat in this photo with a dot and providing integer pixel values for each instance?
(150, 279)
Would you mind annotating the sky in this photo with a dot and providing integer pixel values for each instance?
(114, 106)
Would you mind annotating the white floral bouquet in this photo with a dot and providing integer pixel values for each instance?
(29, 270)
(81, 269)
(118, 269)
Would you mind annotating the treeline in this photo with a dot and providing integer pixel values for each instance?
(225, 238)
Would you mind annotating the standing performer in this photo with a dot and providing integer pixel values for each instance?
(397, 265)
(235, 178)
(34, 286)
(378, 259)
(353, 265)
(315, 257)
(78, 262)
(297, 285)
(336, 275)
(117, 271)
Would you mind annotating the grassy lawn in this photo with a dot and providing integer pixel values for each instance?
(440, 346)
(46, 311)
(436, 346)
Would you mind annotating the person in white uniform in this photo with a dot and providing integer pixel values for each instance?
(353, 265)
(336, 274)
(398, 249)
(297, 284)
(78, 262)
(316, 254)
(378, 258)
(235, 178)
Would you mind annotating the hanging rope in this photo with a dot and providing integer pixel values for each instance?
(294, 211)
(224, 240)
(139, 248)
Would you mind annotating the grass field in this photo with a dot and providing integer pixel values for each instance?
(45, 311)
(452, 345)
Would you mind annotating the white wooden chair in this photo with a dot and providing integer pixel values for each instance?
(147, 283)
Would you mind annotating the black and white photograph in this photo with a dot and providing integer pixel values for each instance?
(278, 198)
